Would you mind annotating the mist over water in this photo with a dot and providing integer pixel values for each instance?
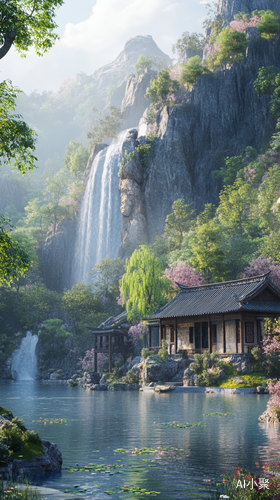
(100, 220)
(24, 362)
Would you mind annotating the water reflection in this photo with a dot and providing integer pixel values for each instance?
(107, 421)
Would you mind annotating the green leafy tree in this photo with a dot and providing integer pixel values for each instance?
(17, 140)
(269, 24)
(191, 42)
(14, 260)
(143, 282)
(233, 166)
(81, 305)
(267, 206)
(143, 62)
(192, 70)
(106, 127)
(265, 82)
(178, 223)
(207, 255)
(28, 24)
(52, 338)
(161, 88)
(231, 49)
(36, 305)
(234, 209)
(106, 276)
(76, 158)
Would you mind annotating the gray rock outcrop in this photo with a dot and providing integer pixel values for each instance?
(269, 416)
(50, 462)
(134, 103)
(229, 8)
(156, 370)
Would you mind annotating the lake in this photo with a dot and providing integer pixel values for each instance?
(100, 422)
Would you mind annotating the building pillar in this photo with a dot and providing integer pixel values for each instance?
(209, 335)
(241, 335)
(149, 337)
(95, 353)
(160, 333)
(110, 353)
(236, 335)
(224, 336)
(175, 336)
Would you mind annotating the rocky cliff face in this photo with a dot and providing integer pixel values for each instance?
(229, 8)
(134, 103)
(117, 72)
(223, 116)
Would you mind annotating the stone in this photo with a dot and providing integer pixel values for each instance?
(155, 370)
(237, 380)
(50, 462)
(261, 389)
(269, 416)
(134, 102)
(135, 361)
(103, 380)
(54, 376)
(188, 378)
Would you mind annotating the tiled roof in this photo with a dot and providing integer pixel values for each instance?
(218, 298)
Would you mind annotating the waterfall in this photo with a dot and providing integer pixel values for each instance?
(99, 225)
(24, 361)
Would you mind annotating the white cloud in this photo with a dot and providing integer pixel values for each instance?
(87, 45)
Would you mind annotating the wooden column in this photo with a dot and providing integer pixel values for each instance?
(149, 337)
(224, 336)
(241, 334)
(160, 333)
(175, 335)
(110, 353)
(201, 338)
(236, 335)
(258, 332)
(95, 353)
(209, 334)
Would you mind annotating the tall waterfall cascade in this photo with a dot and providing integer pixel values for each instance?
(24, 360)
(99, 225)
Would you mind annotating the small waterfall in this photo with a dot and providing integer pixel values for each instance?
(24, 362)
(100, 220)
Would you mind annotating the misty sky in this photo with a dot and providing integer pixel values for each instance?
(93, 32)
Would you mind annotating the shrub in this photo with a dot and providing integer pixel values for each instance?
(164, 349)
(143, 62)
(32, 437)
(19, 423)
(162, 89)
(145, 353)
(269, 24)
(13, 436)
(130, 378)
(229, 48)
(267, 362)
(192, 70)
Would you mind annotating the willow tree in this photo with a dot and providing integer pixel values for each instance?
(143, 285)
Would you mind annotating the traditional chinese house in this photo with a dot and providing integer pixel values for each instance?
(223, 317)
(110, 338)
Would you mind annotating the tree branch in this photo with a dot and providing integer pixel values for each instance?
(9, 40)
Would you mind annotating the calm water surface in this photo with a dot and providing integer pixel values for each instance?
(105, 421)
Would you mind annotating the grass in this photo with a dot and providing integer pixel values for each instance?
(253, 379)
(13, 491)
(28, 451)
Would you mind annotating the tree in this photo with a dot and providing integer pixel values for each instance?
(106, 276)
(208, 257)
(143, 282)
(17, 140)
(106, 127)
(161, 89)
(262, 266)
(269, 25)
(234, 209)
(27, 24)
(179, 222)
(81, 306)
(14, 260)
(76, 158)
(143, 62)
(234, 165)
(193, 42)
(183, 274)
(192, 70)
(230, 48)
(36, 305)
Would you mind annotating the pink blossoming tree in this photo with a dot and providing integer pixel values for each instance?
(88, 360)
(136, 332)
(261, 266)
(184, 275)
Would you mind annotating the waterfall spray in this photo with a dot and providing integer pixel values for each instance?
(99, 224)
(24, 361)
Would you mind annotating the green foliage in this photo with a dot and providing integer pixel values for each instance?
(7, 414)
(231, 45)
(17, 141)
(52, 339)
(130, 378)
(106, 127)
(143, 282)
(192, 70)
(106, 276)
(14, 260)
(267, 363)
(76, 158)
(144, 151)
(161, 87)
(163, 352)
(32, 23)
(145, 353)
(265, 82)
(269, 24)
(35, 305)
(178, 223)
(81, 306)
(143, 62)
(193, 42)
(234, 166)
(19, 422)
